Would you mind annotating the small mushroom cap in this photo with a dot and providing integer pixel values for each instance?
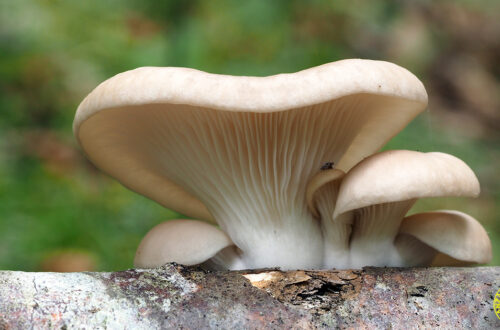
(452, 233)
(400, 175)
(123, 125)
(187, 242)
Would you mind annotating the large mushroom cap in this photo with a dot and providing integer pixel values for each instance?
(151, 127)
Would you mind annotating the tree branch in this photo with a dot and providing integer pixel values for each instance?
(174, 296)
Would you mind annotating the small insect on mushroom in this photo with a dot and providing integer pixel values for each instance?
(327, 166)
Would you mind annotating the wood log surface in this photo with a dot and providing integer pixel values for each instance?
(174, 296)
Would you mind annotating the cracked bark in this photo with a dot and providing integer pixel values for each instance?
(184, 297)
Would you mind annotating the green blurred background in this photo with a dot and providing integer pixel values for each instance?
(55, 205)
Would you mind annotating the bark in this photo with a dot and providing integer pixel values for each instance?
(174, 296)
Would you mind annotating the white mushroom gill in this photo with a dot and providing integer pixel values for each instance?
(249, 169)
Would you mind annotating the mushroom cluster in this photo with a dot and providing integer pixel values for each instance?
(280, 171)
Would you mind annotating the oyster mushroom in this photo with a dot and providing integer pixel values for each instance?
(240, 151)
(376, 194)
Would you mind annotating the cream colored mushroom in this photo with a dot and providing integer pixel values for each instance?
(379, 191)
(459, 238)
(240, 151)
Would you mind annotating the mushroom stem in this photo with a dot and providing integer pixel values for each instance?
(336, 231)
(375, 229)
(228, 258)
(336, 236)
(285, 240)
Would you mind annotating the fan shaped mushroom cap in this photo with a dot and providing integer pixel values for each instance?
(174, 85)
(241, 150)
(187, 242)
(400, 175)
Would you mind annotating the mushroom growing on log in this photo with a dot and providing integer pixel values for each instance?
(244, 153)
(372, 199)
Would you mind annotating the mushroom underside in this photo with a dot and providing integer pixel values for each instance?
(373, 235)
(248, 171)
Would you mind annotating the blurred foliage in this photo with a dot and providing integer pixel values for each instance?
(53, 53)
